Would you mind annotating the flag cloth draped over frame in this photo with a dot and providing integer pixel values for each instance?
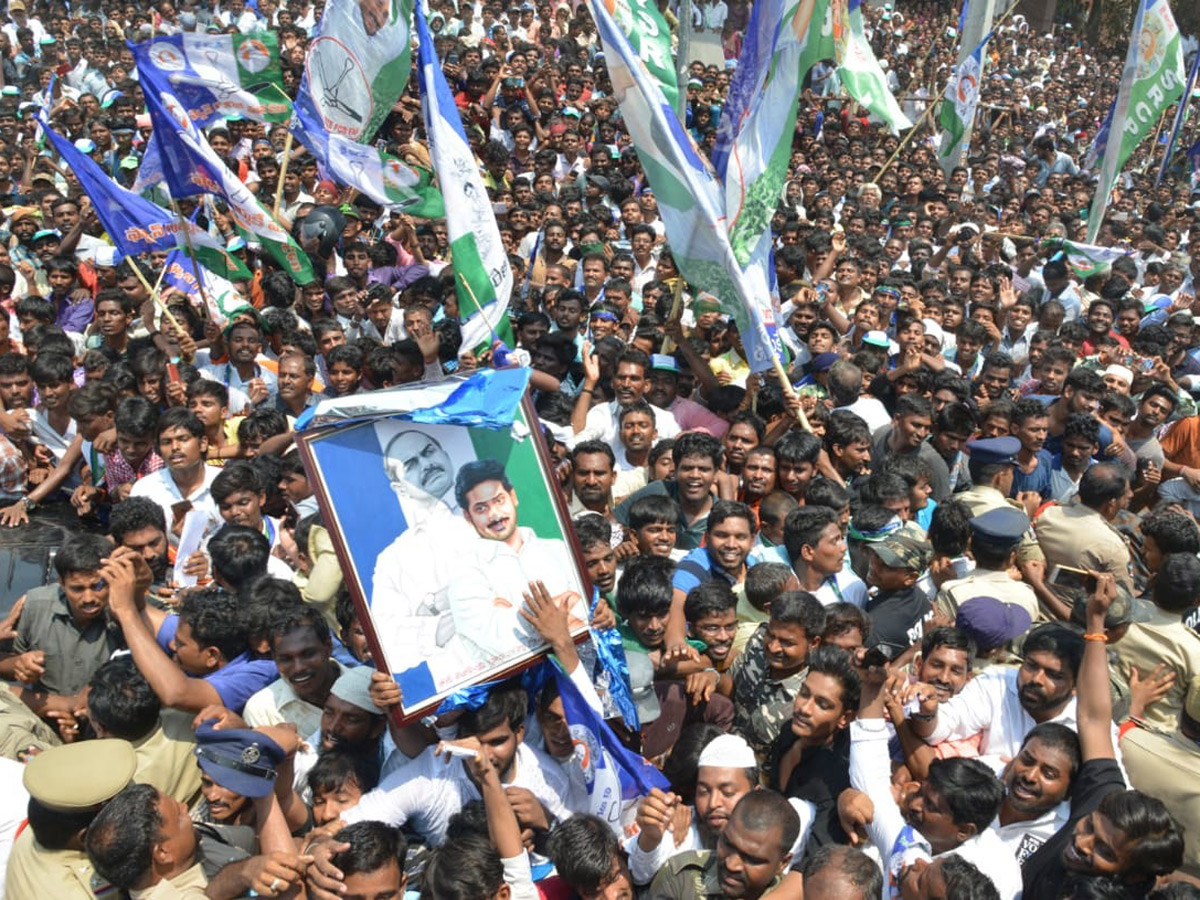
(219, 75)
(604, 755)
(483, 277)
(1152, 80)
(689, 196)
(357, 65)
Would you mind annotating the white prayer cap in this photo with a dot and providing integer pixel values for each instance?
(727, 752)
(1119, 372)
(353, 686)
(934, 330)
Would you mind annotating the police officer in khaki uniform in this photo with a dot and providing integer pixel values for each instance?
(68, 786)
(758, 839)
(1167, 765)
(1081, 535)
(1161, 638)
(995, 538)
(991, 465)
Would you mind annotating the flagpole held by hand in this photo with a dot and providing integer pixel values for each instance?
(191, 251)
(287, 156)
(137, 270)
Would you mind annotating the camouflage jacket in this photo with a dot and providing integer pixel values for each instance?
(763, 705)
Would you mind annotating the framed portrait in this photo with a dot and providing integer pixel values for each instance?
(440, 528)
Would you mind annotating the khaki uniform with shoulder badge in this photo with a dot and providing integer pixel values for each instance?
(69, 782)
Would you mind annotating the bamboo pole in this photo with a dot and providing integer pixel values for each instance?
(287, 157)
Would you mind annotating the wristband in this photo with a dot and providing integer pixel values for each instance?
(1096, 636)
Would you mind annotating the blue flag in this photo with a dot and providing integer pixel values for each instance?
(134, 223)
(604, 755)
(191, 166)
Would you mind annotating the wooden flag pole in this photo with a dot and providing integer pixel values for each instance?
(191, 252)
(668, 345)
(137, 270)
(287, 157)
(908, 137)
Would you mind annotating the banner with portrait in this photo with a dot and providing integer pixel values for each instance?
(440, 528)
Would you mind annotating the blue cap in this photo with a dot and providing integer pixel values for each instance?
(238, 759)
(1000, 528)
(823, 362)
(663, 362)
(991, 622)
(992, 451)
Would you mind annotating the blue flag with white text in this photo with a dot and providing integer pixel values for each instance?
(603, 753)
(135, 224)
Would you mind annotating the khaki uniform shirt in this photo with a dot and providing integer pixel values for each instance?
(35, 873)
(1163, 639)
(690, 876)
(1080, 537)
(188, 885)
(982, 498)
(1167, 766)
(987, 583)
(20, 728)
(165, 758)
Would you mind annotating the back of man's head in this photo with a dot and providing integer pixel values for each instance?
(585, 852)
(121, 839)
(239, 555)
(836, 872)
(121, 702)
(969, 789)
(374, 847)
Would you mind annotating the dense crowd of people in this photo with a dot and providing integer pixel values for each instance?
(920, 623)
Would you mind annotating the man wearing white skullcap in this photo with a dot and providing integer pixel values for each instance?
(725, 772)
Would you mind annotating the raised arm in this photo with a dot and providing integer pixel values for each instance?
(1093, 695)
(172, 687)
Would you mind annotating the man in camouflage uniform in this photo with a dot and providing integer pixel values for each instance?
(751, 857)
(768, 674)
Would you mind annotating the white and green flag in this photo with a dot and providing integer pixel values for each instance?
(357, 65)
(220, 297)
(959, 106)
(482, 275)
(220, 75)
(650, 37)
(784, 40)
(859, 70)
(689, 195)
(1088, 259)
(386, 179)
(1153, 79)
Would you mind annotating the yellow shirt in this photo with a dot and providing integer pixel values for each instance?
(732, 364)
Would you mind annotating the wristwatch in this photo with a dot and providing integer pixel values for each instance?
(31, 505)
